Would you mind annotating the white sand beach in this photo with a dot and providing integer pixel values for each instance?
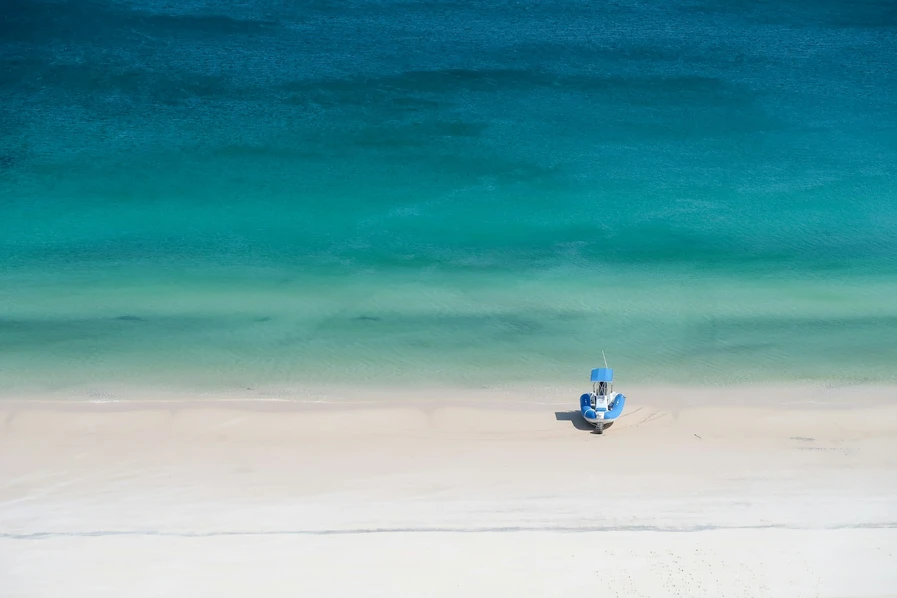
(694, 492)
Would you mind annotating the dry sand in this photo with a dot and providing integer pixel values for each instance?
(694, 492)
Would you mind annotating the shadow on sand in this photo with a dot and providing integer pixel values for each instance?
(575, 418)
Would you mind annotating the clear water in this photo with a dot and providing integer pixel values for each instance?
(266, 192)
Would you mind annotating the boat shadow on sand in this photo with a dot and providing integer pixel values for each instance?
(576, 418)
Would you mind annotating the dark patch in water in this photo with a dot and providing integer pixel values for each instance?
(7, 161)
(263, 319)
(511, 325)
(127, 318)
(210, 24)
(366, 319)
(416, 134)
(37, 22)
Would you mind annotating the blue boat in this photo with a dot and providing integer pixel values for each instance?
(602, 406)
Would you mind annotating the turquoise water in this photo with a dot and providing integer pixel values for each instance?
(272, 193)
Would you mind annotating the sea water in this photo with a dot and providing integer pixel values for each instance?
(234, 195)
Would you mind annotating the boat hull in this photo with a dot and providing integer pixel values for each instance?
(596, 416)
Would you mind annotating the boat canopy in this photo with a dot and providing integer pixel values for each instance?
(603, 375)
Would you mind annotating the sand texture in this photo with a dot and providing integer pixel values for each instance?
(692, 493)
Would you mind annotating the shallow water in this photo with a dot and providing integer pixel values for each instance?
(207, 196)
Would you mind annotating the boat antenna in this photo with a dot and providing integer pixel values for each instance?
(605, 357)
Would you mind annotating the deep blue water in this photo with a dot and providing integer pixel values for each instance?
(278, 193)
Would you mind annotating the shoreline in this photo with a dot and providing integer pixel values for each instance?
(796, 393)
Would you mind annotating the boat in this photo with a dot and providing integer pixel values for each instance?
(602, 406)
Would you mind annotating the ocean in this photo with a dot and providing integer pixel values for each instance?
(270, 194)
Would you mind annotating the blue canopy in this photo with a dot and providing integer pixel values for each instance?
(603, 375)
